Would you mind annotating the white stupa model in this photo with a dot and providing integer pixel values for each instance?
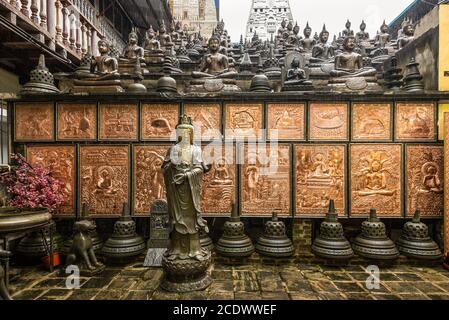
(266, 17)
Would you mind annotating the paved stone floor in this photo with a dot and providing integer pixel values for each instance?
(296, 281)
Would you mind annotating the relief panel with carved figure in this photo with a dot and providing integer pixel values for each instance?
(265, 179)
(104, 178)
(206, 119)
(219, 184)
(34, 121)
(328, 121)
(376, 176)
(371, 122)
(158, 121)
(60, 160)
(118, 122)
(243, 121)
(425, 177)
(320, 176)
(446, 183)
(149, 183)
(286, 121)
(415, 121)
(77, 121)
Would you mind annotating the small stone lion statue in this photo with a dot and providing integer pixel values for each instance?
(4, 294)
(82, 253)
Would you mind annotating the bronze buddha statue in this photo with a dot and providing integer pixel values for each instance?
(408, 33)
(307, 43)
(349, 64)
(151, 44)
(362, 35)
(296, 75)
(323, 52)
(132, 51)
(103, 67)
(347, 32)
(294, 38)
(383, 38)
(164, 38)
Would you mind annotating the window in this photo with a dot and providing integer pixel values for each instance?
(186, 15)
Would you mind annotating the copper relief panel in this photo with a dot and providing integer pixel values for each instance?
(206, 119)
(286, 121)
(320, 176)
(265, 180)
(104, 176)
(219, 184)
(328, 121)
(149, 178)
(118, 122)
(34, 121)
(425, 176)
(243, 121)
(371, 121)
(77, 122)
(446, 182)
(159, 121)
(376, 176)
(61, 161)
(415, 121)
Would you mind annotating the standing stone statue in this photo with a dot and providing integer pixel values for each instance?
(185, 263)
(4, 294)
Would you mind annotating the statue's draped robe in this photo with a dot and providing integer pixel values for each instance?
(184, 203)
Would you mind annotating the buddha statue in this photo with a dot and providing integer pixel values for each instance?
(362, 35)
(431, 182)
(282, 29)
(408, 34)
(347, 32)
(221, 174)
(307, 43)
(349, 64)
(294, 38)
(323, 52)
(132, 51)
(296, 75)
(152, 45)
(103, 67)
(215, 65)
(164, 38)
(383, 38)
(375, 176)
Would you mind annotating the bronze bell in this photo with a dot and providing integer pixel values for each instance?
(331, 242)
(124, 243)
(96, 240)
(373, 242)
(36, 244)
(415, 241)
(234, 243)
(274, 241)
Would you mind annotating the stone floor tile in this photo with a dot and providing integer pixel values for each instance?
(358, 296)
(83, 294)
(326, 286)
(246, 285)
(443, 285)
(244, 275)
(139, 295)
(222, 286)
(303, 295)
(338, 276)
(57, 294)
(386, 296)
(196, 295)
(96, 283)
(247, 296)
(318, 276)
(353, 287)
(271, 286)
(164, 295)
(291, 275)
(427, 287)
(308, 267)
(275, 296)
(388, 276)
(221, 296)
(353, 269)
(108, 294)
(433, 277)
(110, 273)
(148, 285)
(438, 296)
(298, 286)
(413, 296)
(409, 276)
(133, 273)
(381, 290)
(50, 283)
(401, 287)
(122, 283)
(28, 294)
(359, 276)
(221, 274)
(331, 295)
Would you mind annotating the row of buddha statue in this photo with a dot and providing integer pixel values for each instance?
(352, 61)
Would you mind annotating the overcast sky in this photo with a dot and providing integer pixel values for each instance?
(332, 12)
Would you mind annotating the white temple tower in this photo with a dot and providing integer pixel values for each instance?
(266, 17)
(196, 15)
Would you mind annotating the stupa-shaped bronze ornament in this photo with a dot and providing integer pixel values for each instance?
(274, 241)
(41, 80)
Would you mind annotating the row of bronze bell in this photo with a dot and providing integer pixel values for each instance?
(273, 243)
(373, 242)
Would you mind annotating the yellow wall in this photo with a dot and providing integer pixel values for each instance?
(443, 81)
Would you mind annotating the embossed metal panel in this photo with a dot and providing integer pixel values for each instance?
(415, 121)
(286, 121)
(118, 122)
(376, 176)
(320, 177)
(446, 182)
(61, 161)
(158, 121)
(243, 121)
(265, 179)
(34, 121)
(371, 122)
(104, 178)
(76, 121)
(219, 184)
(328, 121)
(425, 180)
(148, 176)
(206, 119)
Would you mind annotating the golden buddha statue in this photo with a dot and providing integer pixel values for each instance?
(349, 64)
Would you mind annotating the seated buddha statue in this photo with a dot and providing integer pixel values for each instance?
(221, 174)
(132, 51)
(349, 64)
(383, 38)
(408, 34)
(431, 182)
(296, 75)
(293, 38)
(362, 35)
(151, 44)
(215, 65)
(164, 38)
(282, 29)
(103, 67)
(307, 43)
(347, 32)
(322, 51)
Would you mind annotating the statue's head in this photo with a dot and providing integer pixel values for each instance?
(348, 24)
(151, 33)
(296, 63)
(384, 28)
(363, 26)
(185, 129)
(133, 38)
(307, 30)
(324, 35)
(162, 27)
(290, 26)
(214, 44)
(283, 23)
(349, 43)
(296, 28)
(103, 46)
(408, 28)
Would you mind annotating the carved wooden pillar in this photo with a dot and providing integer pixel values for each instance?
(58, 18)
(94, 42)
(51, 18)
(83, 38)
(43, 13)
(72, 39)
(34, 11)
(24, 8)
(65, 25)
(88, 41)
